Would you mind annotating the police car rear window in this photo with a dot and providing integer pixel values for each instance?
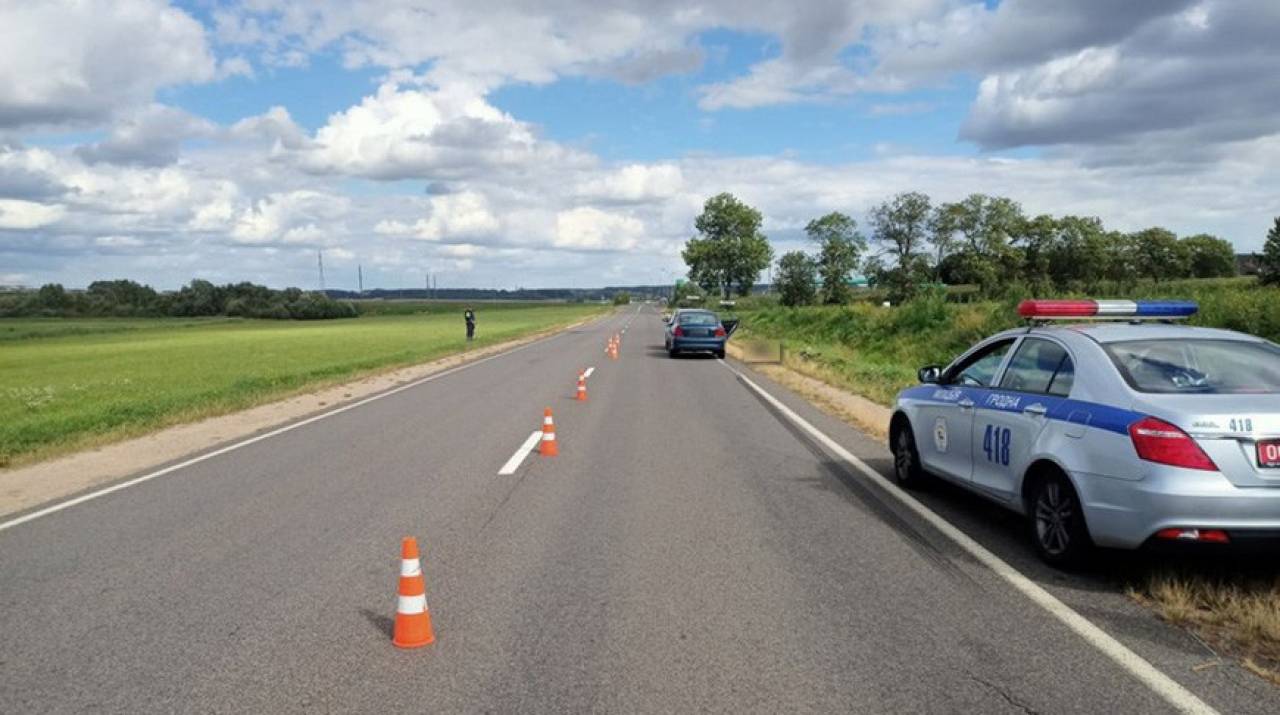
(1198, 366)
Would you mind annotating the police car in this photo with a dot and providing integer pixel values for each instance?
(1120, 433)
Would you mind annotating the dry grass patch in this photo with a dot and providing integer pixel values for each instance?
(1238, 615)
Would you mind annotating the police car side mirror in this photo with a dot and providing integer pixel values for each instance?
(929, 374)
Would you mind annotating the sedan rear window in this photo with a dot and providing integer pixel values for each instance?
(1218, 367)
(698, 319)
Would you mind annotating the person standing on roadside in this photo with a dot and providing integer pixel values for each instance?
(469, 315)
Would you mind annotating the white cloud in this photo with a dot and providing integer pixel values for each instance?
(635, 182)
(150, 137)
(291, 218)
(590, 229)
(405, 131)
(18, 214)
(119, 241)
(68, 62)
(458, 217)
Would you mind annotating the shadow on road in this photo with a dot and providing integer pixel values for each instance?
(385, 624)
(658, 351)
(1007, 535)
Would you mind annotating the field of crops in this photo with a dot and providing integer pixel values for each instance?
(875, 351)
(66, 384)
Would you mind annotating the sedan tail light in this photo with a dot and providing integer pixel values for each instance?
(719, 331)
(1160, 442)
(1212, 536)
(677, 331)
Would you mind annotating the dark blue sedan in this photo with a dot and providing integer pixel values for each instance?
(697, 331)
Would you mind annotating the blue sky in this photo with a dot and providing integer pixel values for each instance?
(624, 122)
(501, 145)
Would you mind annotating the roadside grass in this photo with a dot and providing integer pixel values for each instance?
(1236, 613)
(875, 351)
(69, 385)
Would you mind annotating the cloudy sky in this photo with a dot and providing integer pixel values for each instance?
(571, 142)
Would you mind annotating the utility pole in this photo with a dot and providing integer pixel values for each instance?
(360, 278)
(320, 264)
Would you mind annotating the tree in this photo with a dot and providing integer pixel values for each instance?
(729, 251)
(121, 297)
(199, 297)
(53, 298)
(1209, 256)
(1269, 264)
(1036, 240)
(797, 278)
(901, 227)
(622, 298)
(985, 226)
(1078, 254)
(1158, 253)
(839, 248)
(1123, 263)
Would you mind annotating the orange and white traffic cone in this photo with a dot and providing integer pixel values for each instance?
(548, 448)
(413, 620)
(582, 388)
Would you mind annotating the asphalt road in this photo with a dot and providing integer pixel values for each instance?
(690, 549)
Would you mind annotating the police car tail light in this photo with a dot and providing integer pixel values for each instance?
(720, 331)
(1104, 309)
(1160, 442)
(677, 331)
(1212, 536)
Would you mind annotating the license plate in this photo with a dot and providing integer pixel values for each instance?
(1269, 453)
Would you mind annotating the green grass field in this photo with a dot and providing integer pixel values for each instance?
(68, 384)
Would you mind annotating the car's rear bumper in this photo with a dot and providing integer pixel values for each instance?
(697, 344)
(1127, 513)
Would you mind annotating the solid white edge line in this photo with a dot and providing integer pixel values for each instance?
(516, 459)
(588, 371)
(265, 435)
(1164, 686)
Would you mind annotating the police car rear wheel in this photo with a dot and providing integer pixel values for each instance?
(1058, 527)
(906, 460)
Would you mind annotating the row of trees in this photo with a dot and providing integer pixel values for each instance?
(989, 242)
(124, 298)
(985, 241)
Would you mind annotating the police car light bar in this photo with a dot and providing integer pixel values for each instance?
(1106, 309)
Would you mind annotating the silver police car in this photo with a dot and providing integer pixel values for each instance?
(1117, 434)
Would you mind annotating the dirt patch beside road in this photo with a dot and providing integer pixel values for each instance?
(856, 410)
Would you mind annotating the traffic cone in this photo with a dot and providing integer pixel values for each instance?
(548, 448)
(582, 388)
(413, 620)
